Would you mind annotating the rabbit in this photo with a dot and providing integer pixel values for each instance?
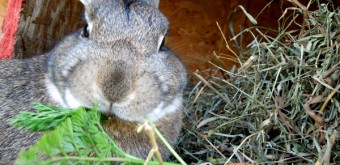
(117, 62)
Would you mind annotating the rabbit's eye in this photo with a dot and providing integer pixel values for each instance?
(163, 43)
(160, 42)
(86, 31)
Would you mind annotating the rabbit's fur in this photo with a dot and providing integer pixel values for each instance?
(121, 66)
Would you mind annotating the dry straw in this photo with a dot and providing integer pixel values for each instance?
(282, 105)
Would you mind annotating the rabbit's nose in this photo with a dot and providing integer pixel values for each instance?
(114, 81)
(115, 86)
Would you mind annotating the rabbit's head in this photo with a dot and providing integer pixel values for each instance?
(113, 65)
(82, 73)
(136, 21)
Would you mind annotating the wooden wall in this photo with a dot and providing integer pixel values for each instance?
(3, 5)
(44, 22)
(193, 34)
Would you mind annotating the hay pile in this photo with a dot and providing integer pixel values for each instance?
(281, 106)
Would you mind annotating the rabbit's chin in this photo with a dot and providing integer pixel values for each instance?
(162, 110)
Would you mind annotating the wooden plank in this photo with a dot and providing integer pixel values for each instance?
(3, 5)
(44, 22)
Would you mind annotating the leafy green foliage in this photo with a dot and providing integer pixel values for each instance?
(73, 137)
(47, 118)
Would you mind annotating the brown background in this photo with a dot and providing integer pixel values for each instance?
(193, 35)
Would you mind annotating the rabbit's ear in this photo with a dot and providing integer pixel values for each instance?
(85, 2)
(152, 2)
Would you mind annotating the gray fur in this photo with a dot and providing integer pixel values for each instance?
(119, 66)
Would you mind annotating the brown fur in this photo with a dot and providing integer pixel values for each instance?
(21, 83)
(138, 144)
(120, 67)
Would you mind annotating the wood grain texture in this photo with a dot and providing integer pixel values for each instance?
(44, 22)
(3, 5)
(194, 34)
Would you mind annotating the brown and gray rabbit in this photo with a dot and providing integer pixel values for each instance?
(117, 62)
